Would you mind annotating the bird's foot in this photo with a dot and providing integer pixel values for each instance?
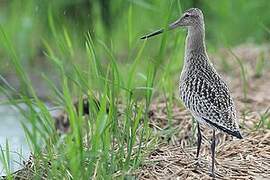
(197, 165)
(198, 162)
(212, 174)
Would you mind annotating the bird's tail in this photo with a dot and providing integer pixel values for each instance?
(237, 134)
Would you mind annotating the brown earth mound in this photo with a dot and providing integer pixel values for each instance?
(248, 158)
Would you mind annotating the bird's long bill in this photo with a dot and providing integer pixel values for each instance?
(171, 26)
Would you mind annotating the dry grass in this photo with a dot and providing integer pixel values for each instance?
(248, 158)
(245, 159)
(174, 156)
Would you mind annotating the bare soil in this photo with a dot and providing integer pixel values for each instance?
(248, 158)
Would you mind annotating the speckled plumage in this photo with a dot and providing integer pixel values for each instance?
(202, 90)
(206, 95)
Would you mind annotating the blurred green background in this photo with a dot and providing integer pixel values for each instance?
(120, 24)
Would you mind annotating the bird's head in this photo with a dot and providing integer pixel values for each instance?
(191, 18)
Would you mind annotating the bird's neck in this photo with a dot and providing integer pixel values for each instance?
(195, 40)
(195, 47)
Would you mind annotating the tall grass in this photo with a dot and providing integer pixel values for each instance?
(112, 140)
(133, 17)
(243, 75)
(118, 70)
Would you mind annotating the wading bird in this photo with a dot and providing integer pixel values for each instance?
(201, 88)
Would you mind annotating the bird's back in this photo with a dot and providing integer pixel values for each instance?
(206, 95)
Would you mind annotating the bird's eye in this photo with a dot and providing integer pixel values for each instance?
(187, 15)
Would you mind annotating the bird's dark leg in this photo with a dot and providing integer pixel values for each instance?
(199, 141)
(213, 145)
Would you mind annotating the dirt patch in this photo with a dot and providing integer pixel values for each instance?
(245, 159)
(257, 87)
(248, 158)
